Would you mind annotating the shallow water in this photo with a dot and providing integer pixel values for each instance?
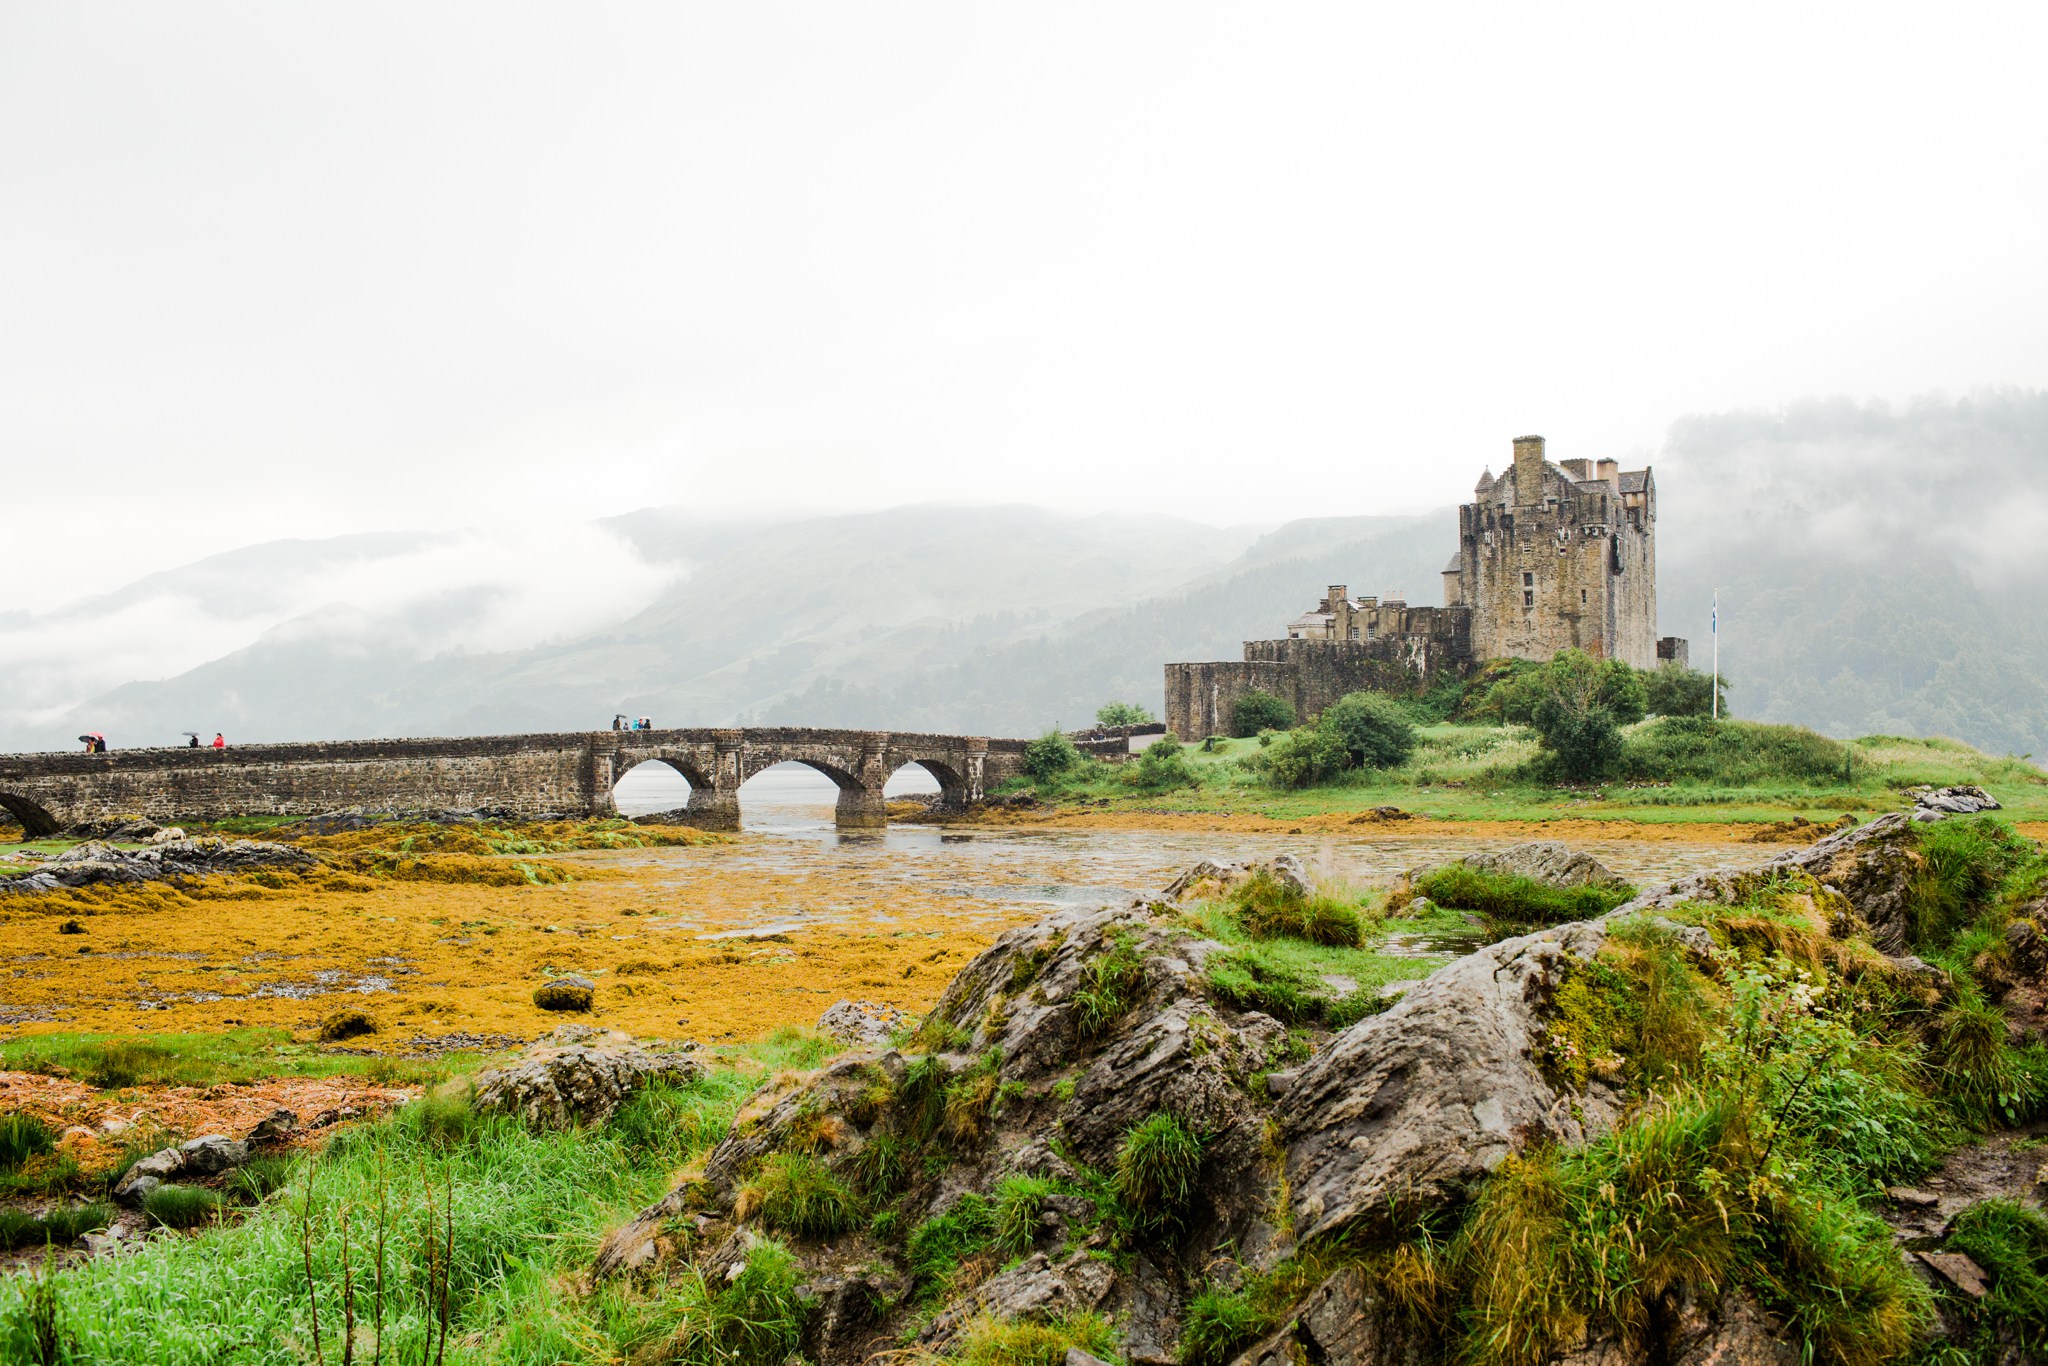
(1006, 875)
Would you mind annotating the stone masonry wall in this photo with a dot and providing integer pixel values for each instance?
(529, 775)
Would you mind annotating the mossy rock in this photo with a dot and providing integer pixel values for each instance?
(567, 994)
(348, 1023)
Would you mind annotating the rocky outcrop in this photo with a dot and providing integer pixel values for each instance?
(1870, 868)
(1345, 1321)
(863, 1024)
(1939, 803)
(577, 1075)
(95, 864)
(1549, 861)
(198, 1158)
(1410, 1109)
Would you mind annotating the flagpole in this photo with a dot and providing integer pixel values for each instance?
(1715, 631)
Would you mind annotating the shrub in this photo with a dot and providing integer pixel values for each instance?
(1123, 714)
(182, 1206)
(1268, 908)
(1303, 758)
(1258, 710)
(1674, 690)
(1049, 756)
(22, 1137)
(798, 1194)
(1373, 730)
(1733, 753)
(1584, 741)
(1161, 765)
(1154, 1183)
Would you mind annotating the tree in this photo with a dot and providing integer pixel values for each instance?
(1050, 755)
(1372, 729)
(1123, 714)
(1584, 703)
(1257, 711)
(1162, 764)
(1675, 690)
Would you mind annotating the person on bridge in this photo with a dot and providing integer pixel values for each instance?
(218, 742)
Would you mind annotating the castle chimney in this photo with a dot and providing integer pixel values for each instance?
(1339, 595)
(1528, 470)
(1610, 471)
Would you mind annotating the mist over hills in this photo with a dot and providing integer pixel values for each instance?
(1878, 571)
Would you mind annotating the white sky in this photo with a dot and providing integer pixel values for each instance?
(272, 270)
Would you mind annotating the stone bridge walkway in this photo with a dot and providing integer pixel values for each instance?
(530, 775)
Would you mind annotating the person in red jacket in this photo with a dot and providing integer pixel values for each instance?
(218, 742)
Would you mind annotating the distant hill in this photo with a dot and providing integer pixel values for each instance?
(1878, 571)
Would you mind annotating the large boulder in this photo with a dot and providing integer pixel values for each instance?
(1413, 1108)
(95, 864)
(1549, 861)
(578, 1076)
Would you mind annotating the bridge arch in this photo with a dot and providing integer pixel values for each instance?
(36, 822)
(655, 787)
(952, 782)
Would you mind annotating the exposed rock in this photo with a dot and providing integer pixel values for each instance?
(565, 993)
(95, 864)
(147, 1174)
(1412, 1108)
(1549, 861)
(864, 1024)
(1737, 1333)
(1870, 868)
(1210, 877)
(1933, 804)
(1344, 1321)
(577, 1076)
(274, 1126)
(211, 1154)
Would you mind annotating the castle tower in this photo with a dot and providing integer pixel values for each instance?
(1550, 559)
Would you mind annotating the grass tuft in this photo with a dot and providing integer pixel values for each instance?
(22, 1137)
(798, 1194)
(183, 1206)
(1155, 1180)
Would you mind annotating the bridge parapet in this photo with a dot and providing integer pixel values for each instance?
(570, 773)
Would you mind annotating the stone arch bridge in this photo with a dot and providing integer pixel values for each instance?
(530, 775)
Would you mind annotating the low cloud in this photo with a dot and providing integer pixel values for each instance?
(467, 592)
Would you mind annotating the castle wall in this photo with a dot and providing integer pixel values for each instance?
(1200, 697)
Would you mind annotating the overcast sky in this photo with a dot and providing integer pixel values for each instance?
(296, 270)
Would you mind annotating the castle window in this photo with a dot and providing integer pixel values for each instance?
(1582, 597)
(1354, 633)
(1528, 597)
(1528, 579)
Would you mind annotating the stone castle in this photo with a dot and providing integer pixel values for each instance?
(1550, 557)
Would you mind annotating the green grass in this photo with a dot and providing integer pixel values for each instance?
(1109, 988)
(183, 1206)
(1268, 908)
(59, 1228)
(110, 1061)
(1027, 1342)
(937, 1246)
(797, 1194)
(1153, 1186)
(2010, 1242)
(527, 1210)
(23, 1137)
(1482, 772)
(1514, 900)
(1287, 977)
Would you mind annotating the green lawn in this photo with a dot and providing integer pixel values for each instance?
(1468, 772)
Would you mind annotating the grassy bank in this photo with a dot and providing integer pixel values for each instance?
(481, 1225)
(1746, 773)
